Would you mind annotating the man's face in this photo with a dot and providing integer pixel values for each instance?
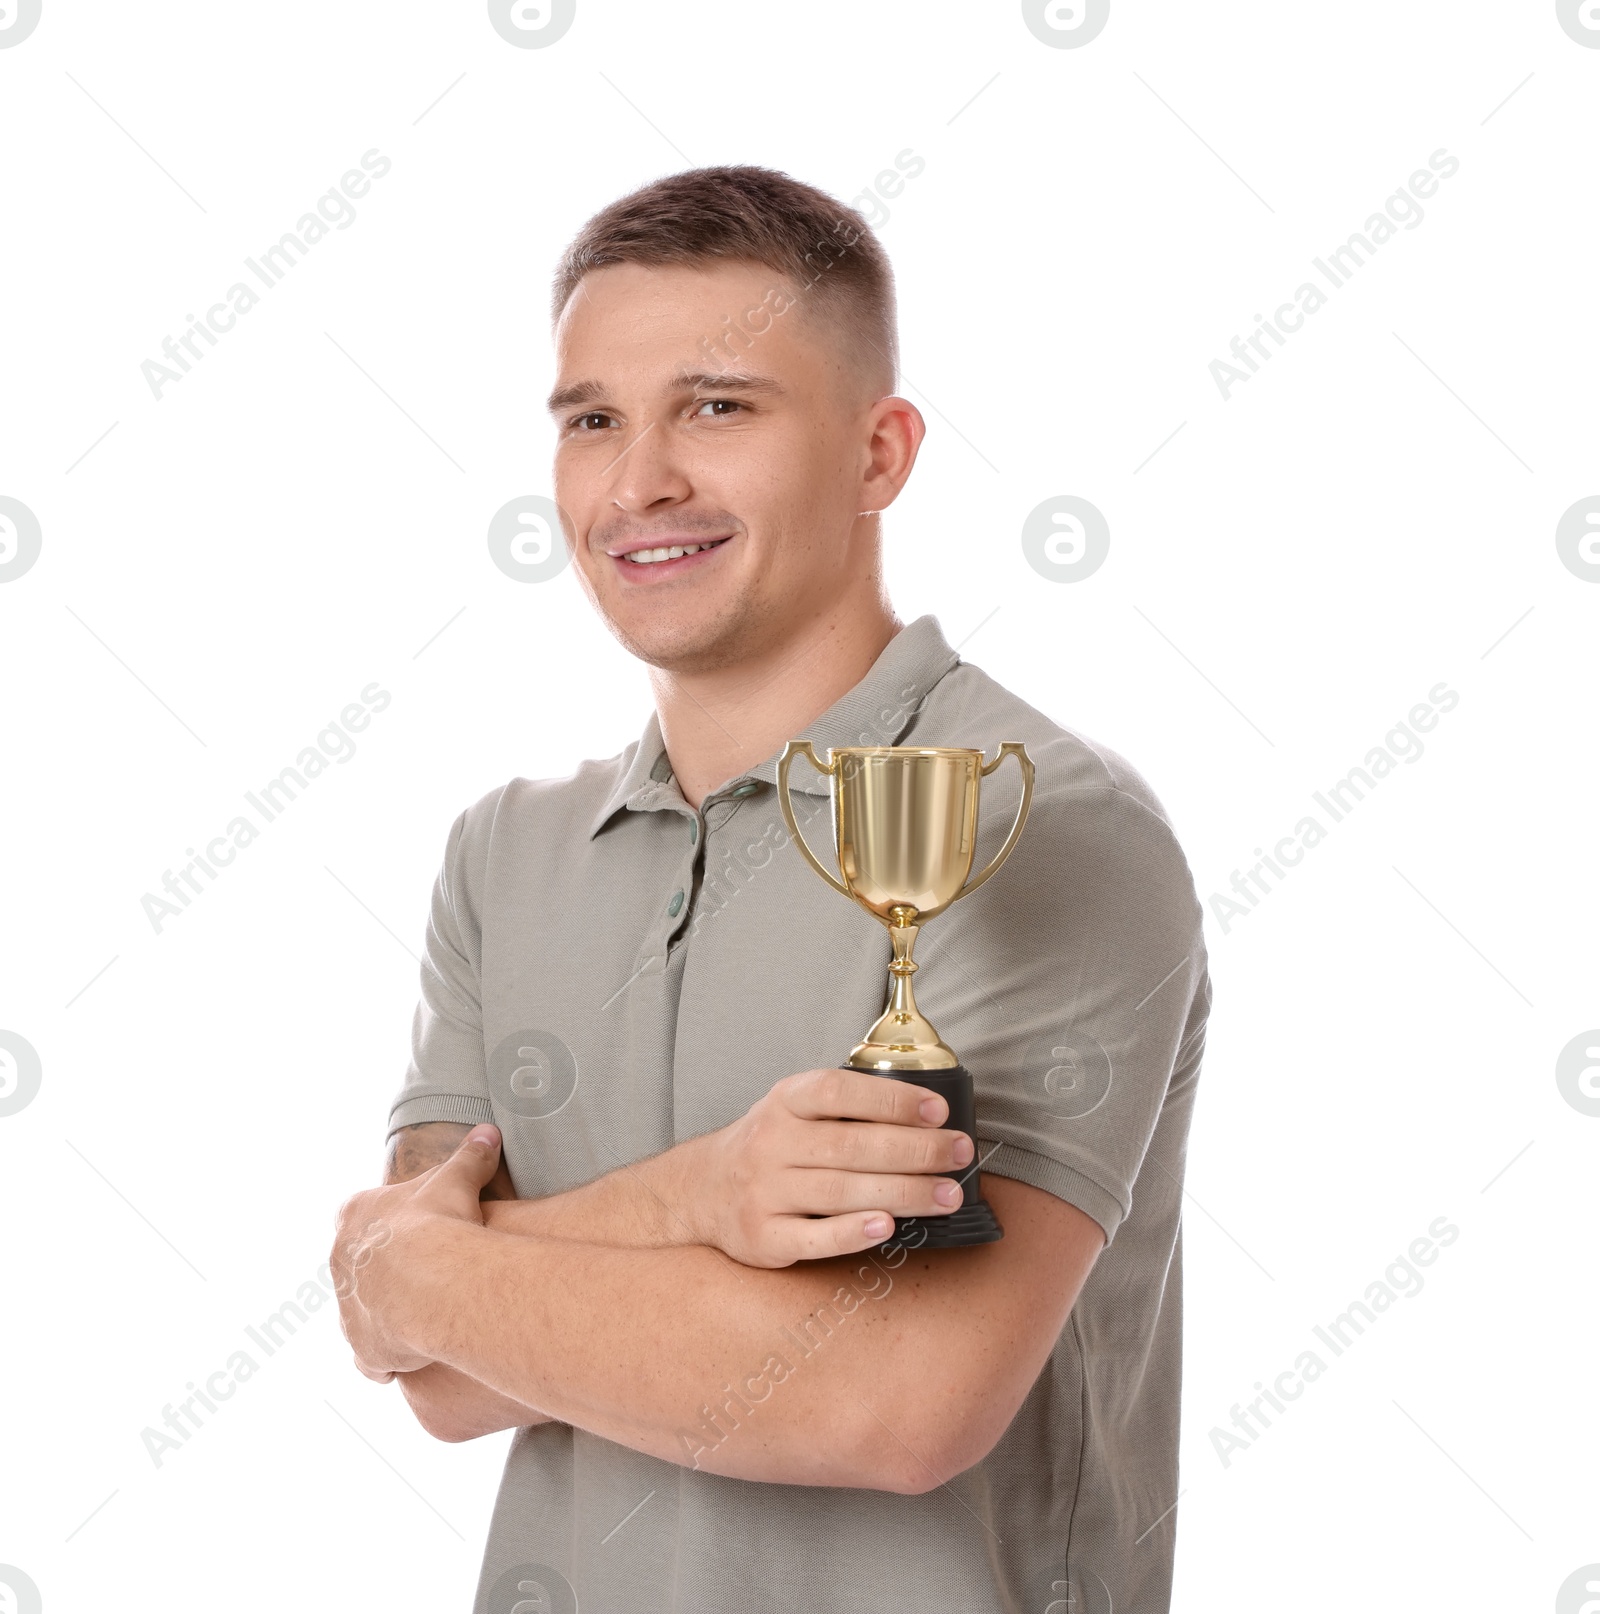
(762, 450)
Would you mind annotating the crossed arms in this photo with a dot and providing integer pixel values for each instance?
(712, 1306)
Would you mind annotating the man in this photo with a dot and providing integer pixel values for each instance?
(635, 1211)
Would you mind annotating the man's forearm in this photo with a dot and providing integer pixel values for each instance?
(837, 1372)
(640, 1206)
(452, 1406)
(632, 1207)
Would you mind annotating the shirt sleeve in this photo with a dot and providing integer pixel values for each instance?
(447, 1079)
(1076, 989)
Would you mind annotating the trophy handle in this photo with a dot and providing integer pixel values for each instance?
(802, 748)
(1009, 748)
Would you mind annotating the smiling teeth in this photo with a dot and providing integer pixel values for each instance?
(648, 557)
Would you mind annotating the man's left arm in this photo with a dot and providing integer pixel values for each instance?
(888, 1373)
(450, 1405)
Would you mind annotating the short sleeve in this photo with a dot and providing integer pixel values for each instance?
(446, 1079)
(1079, 990)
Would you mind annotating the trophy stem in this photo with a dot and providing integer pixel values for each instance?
(902, 938)
(902, 1038)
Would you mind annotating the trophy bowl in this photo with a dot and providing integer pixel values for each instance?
(906, 824)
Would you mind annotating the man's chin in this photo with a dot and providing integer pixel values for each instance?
(683, 640)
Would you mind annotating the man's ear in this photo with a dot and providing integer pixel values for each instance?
(896, 431)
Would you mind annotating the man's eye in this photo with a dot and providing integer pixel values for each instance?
(594, 421)
(719, 404)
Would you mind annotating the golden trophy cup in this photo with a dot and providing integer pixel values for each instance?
(905, 826)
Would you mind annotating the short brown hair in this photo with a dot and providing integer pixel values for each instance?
(827, 250)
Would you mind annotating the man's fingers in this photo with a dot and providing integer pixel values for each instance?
(831, 1193)
(854, 1146)
(475, 1161)
(857, 1095)
(814, 1238)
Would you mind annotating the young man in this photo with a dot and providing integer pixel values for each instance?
(634, 1210)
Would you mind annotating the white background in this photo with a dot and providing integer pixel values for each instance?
(305, 513)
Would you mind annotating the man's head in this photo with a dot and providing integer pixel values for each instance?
(726, 355)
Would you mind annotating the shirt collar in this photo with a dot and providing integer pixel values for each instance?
(643, 781)
(877, 711)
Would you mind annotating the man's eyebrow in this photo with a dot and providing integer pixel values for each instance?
(725, 381)
(579, 392)
(582, 392)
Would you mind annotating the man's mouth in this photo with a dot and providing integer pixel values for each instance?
(663, 553)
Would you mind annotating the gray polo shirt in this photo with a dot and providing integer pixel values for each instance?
(594, 948)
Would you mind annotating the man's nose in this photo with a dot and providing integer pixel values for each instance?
(646, 472)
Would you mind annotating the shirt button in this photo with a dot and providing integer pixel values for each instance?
(694, 831)
(748, 788)
(675, 904)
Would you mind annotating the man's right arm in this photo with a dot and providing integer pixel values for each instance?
(814, 1169)
(639, 1206)
(628, 1208)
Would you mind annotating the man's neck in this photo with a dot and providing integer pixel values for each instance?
(719, 724)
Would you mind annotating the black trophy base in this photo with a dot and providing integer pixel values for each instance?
(972, 1221)
(967, 1224)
